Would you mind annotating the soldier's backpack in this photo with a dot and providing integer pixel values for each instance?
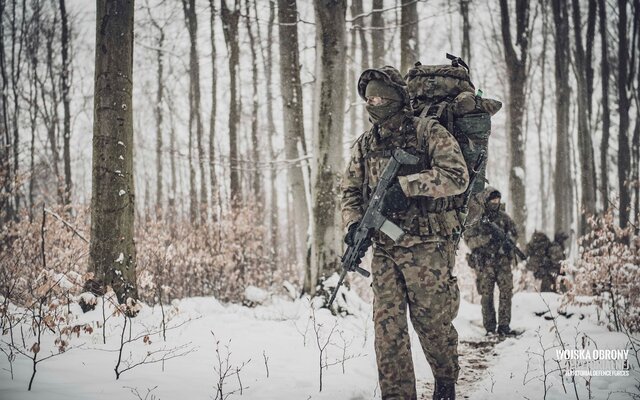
(447, 93)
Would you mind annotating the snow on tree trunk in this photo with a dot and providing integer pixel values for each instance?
(327, 140)
(112, 253)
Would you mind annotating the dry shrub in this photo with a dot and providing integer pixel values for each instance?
(178, 260)
(175, 259)
(607, 270)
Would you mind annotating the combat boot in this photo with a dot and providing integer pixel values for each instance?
(504, 330)
(445, 389)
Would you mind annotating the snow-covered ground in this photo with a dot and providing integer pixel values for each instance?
(276, 349)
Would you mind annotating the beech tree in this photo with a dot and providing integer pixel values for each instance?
(112, 252)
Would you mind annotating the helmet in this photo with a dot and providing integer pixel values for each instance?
(388, 74)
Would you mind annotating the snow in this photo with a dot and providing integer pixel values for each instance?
(121, 192)
(279, 336)
(120, 258)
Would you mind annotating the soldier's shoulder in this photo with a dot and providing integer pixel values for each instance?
(362, 138)
(431, 127)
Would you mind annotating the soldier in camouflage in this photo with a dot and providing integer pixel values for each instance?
(491, 259)
(544, 258)
(416, 272)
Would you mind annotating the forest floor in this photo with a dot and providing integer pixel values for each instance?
(273, 351)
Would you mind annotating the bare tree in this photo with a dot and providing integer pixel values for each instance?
(377, 34)
(112, 252)
(584, 79)
(230, 27)
(466, 30)
(606, 119)
(293, 117)
(191, 18)
(215, 192)
(256, 176)
(330, 61)
(65, 83)
(624, 103)
(517, 67)
(563, 183)
(158, 106)
(409, 43)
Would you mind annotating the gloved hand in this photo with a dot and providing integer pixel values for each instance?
(350, 236)
(395, 200)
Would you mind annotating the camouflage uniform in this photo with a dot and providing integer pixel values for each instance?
(544, 259)
(492, 264)
(416, 272)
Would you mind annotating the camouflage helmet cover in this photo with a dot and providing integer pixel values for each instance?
(388, 74)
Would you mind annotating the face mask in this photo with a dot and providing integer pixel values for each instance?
(381, 113)
(493, 206)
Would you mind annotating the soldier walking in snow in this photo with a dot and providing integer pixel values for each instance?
(545, 257)
(491, 258)
(416, 272)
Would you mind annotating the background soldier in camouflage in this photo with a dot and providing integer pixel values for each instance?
(492, 260)
(416, 272)
(545, 257)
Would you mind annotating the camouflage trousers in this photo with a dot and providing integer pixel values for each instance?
(492, 272)
(418, 277)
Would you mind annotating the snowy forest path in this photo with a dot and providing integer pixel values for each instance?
(475, 358)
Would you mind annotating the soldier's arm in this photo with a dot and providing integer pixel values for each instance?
(475, 237)
(351, 202)
(448, 174)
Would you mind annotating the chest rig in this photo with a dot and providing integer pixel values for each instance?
(425, 216)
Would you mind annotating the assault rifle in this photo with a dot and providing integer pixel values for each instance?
(373, 219)
(464, 210)
(504, 238)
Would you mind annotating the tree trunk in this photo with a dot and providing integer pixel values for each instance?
(215, 192)
(17, 39)
(562, 178)
(466, 29)
(585, 147)
(544, 195)
(6, 202)
(256, 176)
(159, 113)
(624, 153)
(606, 121)
(191, 19)
(293, 118)
(409, 32)
(112, 252)
(517, 67)
(230, 29)
(65, 83)
(377, 35)
(330, 61)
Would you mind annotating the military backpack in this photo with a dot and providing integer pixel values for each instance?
(446, 93)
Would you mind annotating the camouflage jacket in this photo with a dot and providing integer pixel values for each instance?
(544, 256)
(441, 173)
(483, 243)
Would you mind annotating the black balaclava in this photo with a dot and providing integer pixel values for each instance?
(381, 113)
(491, 207)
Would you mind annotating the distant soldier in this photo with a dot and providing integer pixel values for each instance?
(545, 257)
(491, 257)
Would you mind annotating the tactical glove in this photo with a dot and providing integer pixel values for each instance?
(349, 240)
(395, 200)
